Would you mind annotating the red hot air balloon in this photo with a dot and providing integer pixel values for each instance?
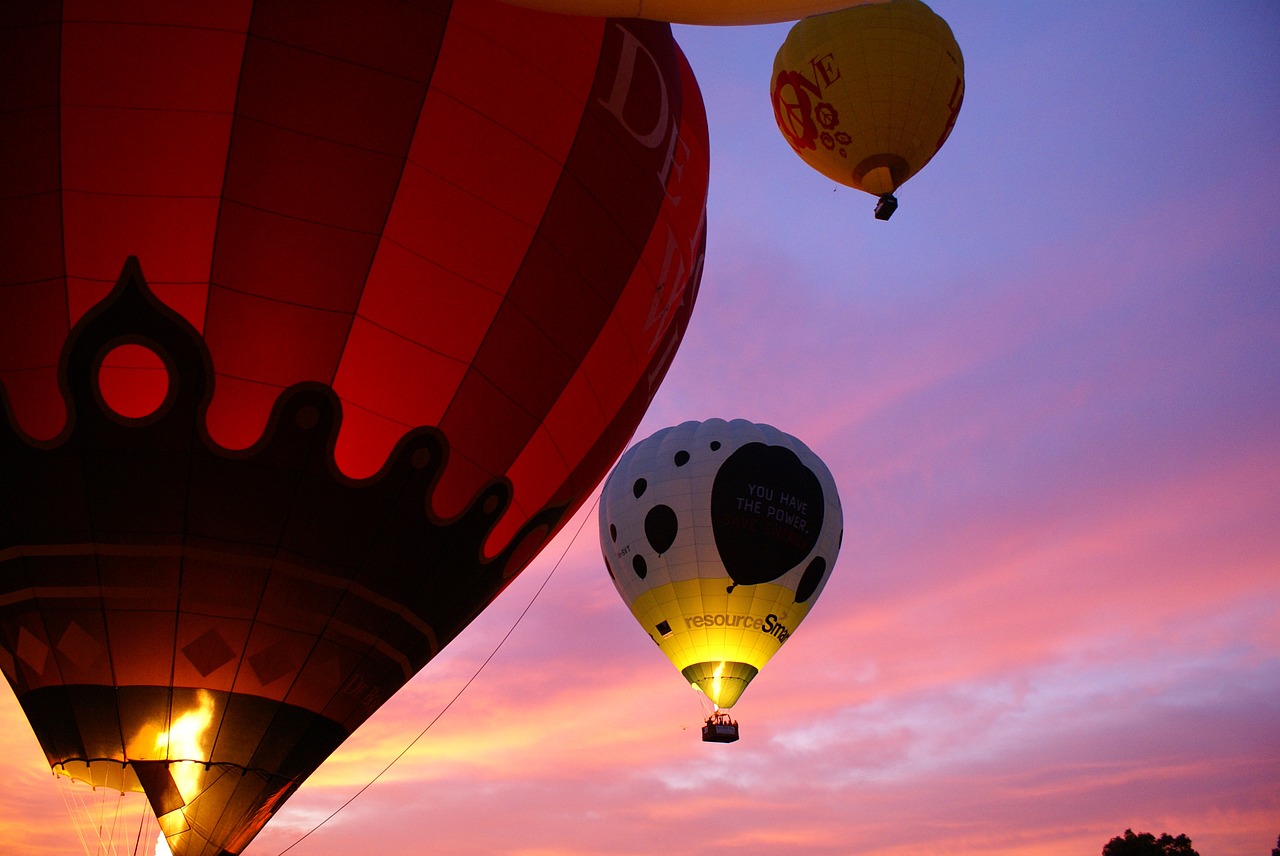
(317, 320)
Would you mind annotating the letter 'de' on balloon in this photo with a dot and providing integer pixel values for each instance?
(316, 322)
(720, 536)
(868, 94)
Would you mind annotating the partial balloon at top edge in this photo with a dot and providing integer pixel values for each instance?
(713, 12)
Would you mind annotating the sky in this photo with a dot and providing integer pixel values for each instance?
(1049, 392)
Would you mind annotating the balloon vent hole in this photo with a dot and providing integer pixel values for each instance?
(133, 381)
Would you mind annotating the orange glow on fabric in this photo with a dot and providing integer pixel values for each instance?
(187, 741)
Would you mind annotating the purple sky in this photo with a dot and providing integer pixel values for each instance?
(1049, 390)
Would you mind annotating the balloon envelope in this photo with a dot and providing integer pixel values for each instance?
(867, 95)
(316, 322)
(719, 536)
(690, 11)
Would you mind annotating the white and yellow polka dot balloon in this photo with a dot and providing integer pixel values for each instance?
(720, 536)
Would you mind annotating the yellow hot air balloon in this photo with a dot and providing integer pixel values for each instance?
(686, 12)
(720, 536)
(868, 95)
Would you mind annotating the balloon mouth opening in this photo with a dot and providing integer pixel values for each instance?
(722, 681)
(104, 773)
(881, 174)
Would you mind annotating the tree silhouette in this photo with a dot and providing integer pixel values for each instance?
(1146, 844)
(1275, 851)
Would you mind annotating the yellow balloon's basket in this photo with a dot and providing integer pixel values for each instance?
(719, 728)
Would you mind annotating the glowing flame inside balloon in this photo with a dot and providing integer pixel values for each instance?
(715, 684)
(184, 741)
(162, 846)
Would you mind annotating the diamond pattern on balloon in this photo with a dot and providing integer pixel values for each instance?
(32, 651)
(208, 652)
(272, 663)
(79, 647)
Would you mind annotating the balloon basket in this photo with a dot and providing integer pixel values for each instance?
(886, 206)
(719, 728)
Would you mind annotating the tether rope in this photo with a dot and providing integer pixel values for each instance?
(464, 687)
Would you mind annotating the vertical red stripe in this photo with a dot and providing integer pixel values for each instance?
(33, 308)
(586, 250)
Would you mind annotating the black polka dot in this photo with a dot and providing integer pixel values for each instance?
(660, 527)
(638, 565)
(715, 445)
(682, 458)
(810, 579)
(613, 533)
(639, 487)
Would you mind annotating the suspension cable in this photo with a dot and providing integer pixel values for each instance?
(72, 812)
(464, 687)
(142, 819)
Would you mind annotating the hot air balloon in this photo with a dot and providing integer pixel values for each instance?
(317, 320)
(720, 536)
(686, 12)
(867, 95)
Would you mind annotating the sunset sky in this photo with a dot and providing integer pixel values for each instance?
(1049, 391)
